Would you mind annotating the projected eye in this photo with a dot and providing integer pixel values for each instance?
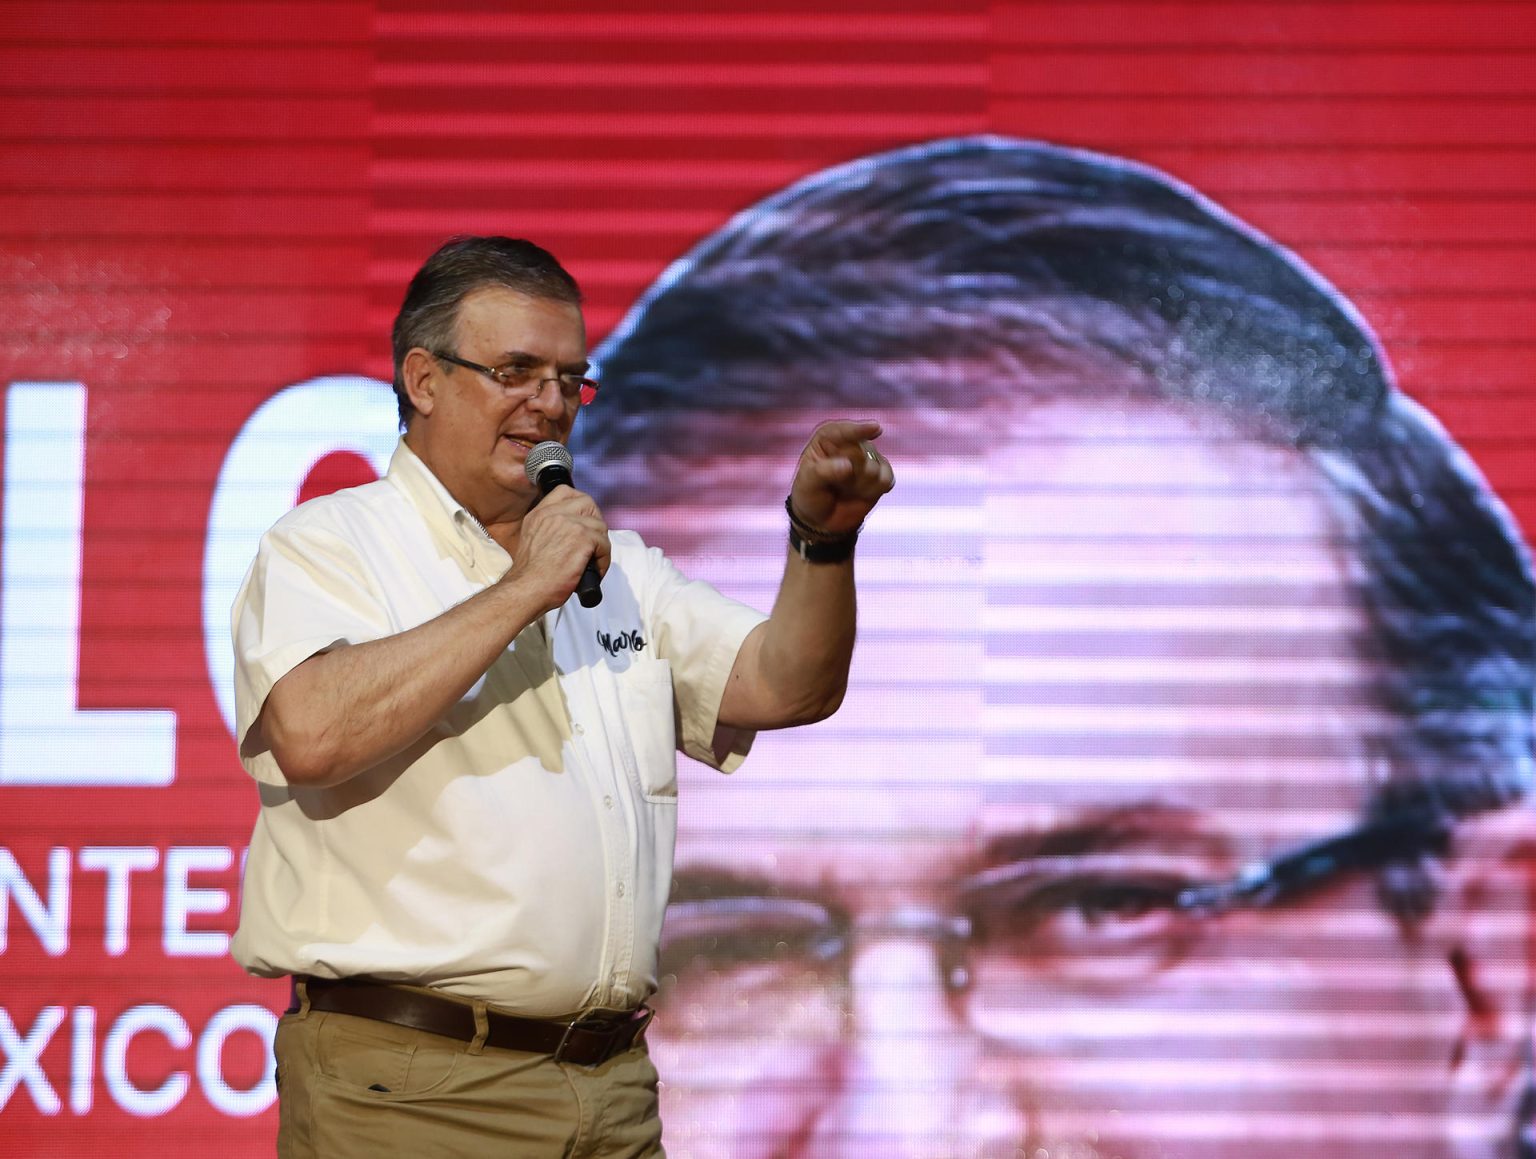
(717, 936)
(1097, 920)
(1066, 915)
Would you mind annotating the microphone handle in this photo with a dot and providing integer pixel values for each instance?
(589, 589)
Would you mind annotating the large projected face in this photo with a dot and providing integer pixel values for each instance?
(1182, 639)
(995, 907)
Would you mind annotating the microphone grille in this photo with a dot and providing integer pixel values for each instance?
(546, 454)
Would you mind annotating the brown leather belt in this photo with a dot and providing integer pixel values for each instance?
(587, 1041)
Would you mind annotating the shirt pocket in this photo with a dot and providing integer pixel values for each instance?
(645, 695)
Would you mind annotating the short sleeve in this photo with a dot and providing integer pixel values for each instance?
(699, 631)
(307, 592)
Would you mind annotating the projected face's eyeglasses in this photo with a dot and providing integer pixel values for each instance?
(1100, 919)
(576, 389)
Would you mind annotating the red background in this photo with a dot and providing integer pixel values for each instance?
(202, 203)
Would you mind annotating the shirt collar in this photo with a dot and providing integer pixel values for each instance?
(448, 519)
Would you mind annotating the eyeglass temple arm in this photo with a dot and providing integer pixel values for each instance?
(1401, 838)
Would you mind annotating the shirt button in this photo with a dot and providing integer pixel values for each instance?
(578, 730)
(608, 802)
(621, 889)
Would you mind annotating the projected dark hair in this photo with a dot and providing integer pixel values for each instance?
(461, 266)
(862, 288)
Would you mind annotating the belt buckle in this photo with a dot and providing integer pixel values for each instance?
(607, 1026)
(585, 1022)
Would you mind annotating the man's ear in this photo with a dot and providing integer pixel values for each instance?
(418, 372)
(1484, 916)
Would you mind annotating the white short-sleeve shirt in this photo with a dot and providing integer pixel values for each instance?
(520, 851)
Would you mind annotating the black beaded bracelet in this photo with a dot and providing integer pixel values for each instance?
(817, 545)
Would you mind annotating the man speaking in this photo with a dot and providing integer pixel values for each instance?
(467, 777)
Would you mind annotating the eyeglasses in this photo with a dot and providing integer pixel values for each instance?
(574, 388)
(1097, 919)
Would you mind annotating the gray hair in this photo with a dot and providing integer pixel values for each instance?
(430, 312)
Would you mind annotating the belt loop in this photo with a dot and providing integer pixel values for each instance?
(482, 1028)
(301, 992)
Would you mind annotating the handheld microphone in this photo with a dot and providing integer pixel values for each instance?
(548, 466)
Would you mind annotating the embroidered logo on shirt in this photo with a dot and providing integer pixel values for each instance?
(631, 641)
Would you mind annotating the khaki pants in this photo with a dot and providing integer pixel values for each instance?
(352, 1087)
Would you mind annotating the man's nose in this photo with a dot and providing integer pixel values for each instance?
(912, 1083)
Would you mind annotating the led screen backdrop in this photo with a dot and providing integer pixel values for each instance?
(1112, 651)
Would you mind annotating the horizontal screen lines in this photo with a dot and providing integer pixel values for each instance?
(1248, 712)
(72, 85)
(1392, 1026)
(588, 107)
(332, 116)
(1001, 545)
(1118, 678)
(1433, 342)
(1078, 640)
(883, 666)
(1250, 783)
(353, 202)
(1094, 618)
(1124, 91)
(1089, 28)
(579, 172)
(529, 27)
(1360, 199)
(962, 515)
(146, 36)
(192, 22)
(1159, 596)
(1002, 45)
(470, 77)
(828, 743)
(113, 343)
(234, 139)
(1010, 990)
(1364, 295)
(1166, 70)
(599, 56)
(1413, 245)
(1252, 153)
(1434, 177)
(1176, 567)
(1174, 739)
(1245, 1130)
(942, 805)
(436, 210)
(1198, 119)
(907, 728)
(321, 281)
(1111, 135)
(939, 575)
(1437, 394)
(174, 185)
(1081, 32)
(689, 1078)
(428, 219)
(420, 129)
(160, 229)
